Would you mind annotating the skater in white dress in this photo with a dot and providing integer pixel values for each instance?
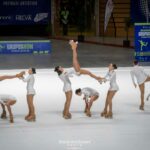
(64, 75)
(90, 95)
(111, 77)
(30, 94)
(141, 77)
(8, 101)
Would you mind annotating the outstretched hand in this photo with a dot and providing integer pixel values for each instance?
(102, 80)
(20, 75)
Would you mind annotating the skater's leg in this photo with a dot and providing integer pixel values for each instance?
(66, 111)
(106, 106)
(88, 113)
(93, 98)
(142, 91)
(11, 102)
(31, 107)
(8, 105)
(69, 97)
(76, 64)
(110, 97)
(3, 115)
(78, 69)
(86, 107)
(86, 72)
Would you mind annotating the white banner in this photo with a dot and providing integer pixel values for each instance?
(108, 11)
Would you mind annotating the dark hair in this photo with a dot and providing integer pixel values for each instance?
(135, 62)
(57, 70)
(33, 70)
(114, 66)
(78, 91)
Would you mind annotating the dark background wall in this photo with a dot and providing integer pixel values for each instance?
(16, 30)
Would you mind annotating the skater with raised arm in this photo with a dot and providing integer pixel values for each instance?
(30, 94)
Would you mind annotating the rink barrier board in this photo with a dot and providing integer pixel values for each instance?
(26, 47)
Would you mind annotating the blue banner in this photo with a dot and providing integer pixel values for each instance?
(25, 47)
(142, 42)
(22, 12)
(140, 9)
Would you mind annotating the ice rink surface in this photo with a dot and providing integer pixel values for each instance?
(128, 130)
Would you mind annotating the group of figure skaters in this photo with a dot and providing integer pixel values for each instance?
(89, 94)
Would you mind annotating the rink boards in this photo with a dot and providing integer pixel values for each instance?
(25, 47)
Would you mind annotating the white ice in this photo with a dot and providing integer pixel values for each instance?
(128, 130)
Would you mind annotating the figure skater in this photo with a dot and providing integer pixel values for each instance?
(30, 94)
(141, 77)
(90, 95)
(111, 77)
(64, 76)
(8, 101)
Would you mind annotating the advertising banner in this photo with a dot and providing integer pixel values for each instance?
(22, 12)
(142, 42)
(25, 47)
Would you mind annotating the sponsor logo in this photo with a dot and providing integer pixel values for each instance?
(41, 16)
(24, 17)
(2, 47)
(143, 44)
(5, 17)
(19, 46)
(146, 33)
